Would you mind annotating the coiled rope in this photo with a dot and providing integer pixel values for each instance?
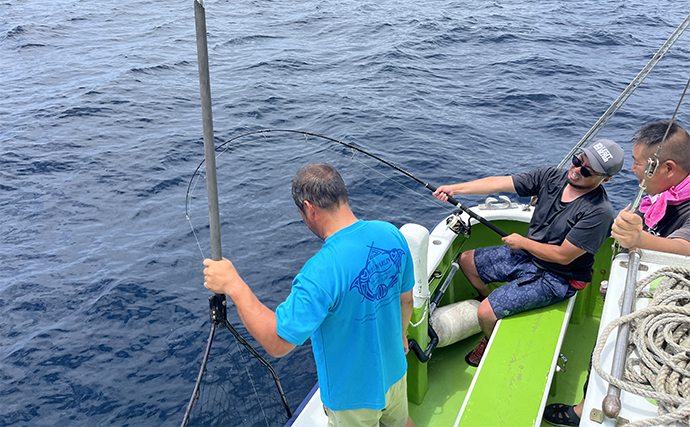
(660, 346)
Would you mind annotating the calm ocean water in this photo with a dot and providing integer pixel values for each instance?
(103, 316)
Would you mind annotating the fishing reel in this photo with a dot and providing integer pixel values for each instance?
(455, 223)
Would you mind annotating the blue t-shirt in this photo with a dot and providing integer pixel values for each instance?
(347, 299)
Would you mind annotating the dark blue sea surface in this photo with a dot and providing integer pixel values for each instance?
(103, 315)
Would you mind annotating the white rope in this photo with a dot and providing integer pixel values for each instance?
(658, 362)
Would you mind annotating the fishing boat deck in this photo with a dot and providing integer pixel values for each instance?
(451, 378)
(437, 390)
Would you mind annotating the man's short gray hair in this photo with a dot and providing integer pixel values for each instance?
(321, 185)
(677, 144)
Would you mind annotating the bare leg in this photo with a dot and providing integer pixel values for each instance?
(409, 422)
(466, 261)
(487, 318)
(579, 407)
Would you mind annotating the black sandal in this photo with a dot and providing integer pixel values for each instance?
(561, 415)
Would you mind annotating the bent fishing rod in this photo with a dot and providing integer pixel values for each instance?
(432, 188)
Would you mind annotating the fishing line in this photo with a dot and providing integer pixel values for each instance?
(430, 187)
(198, 173)
(196, 238)
(192, 186)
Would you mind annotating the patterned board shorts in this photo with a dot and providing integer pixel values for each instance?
(527, 286)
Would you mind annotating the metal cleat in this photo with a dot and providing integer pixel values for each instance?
(597, 416)
(491, 203)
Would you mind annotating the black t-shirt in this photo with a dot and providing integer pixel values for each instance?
(675, 224)
(585, 222)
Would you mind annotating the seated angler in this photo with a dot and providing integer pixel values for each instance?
(571, 221)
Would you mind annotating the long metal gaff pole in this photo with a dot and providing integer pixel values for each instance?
(217, 302)
(611, 405)
(207, 117)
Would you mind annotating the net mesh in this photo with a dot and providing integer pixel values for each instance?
(236, 389)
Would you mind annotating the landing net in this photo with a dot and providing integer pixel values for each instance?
(234, 387)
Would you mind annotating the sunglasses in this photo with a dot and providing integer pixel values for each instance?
(584, 170)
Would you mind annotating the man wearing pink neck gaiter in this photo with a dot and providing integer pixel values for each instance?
(665, 225)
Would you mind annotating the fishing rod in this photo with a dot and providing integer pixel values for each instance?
(432, 188)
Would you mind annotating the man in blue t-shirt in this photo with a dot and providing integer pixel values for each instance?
(571, 220)
(353, 298)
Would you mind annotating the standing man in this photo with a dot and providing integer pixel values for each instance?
(353, 298)
(666, 210)
(572, 218)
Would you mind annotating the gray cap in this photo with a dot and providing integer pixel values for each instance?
(605, 156)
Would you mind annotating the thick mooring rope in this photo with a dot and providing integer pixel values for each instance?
(659, 344)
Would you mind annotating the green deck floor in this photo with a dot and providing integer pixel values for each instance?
(449, 379)
(577, 348)
(450, 376)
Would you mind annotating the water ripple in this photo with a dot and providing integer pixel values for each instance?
(104, 314)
